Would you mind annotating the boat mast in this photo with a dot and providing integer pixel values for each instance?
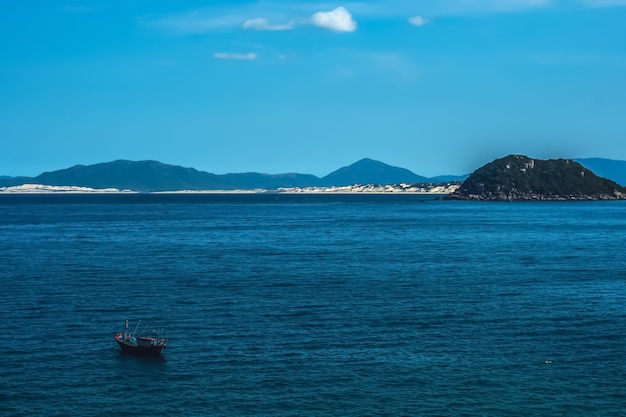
(126, 330)
(136, 327)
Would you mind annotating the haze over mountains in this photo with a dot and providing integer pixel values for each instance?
(147, 176)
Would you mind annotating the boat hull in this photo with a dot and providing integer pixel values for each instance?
(141, 346)
(140, 350)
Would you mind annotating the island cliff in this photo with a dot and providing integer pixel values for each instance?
(519, 178)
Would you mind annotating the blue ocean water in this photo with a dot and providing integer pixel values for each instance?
(292, 305)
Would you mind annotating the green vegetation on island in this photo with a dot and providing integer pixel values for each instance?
(518, 177)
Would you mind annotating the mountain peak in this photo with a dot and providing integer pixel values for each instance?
(367, 161)
(369, 171)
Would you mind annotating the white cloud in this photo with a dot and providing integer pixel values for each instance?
(261, 23)
(339, 20)
(417, 21)
(296, 13)
(240, 57)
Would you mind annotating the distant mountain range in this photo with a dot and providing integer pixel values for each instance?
(607, 168)
(150, 176)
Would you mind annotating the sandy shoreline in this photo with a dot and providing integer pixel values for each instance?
(354, 189)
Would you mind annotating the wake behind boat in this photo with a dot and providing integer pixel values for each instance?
(144, 345)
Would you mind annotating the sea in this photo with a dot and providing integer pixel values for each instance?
(312, 305)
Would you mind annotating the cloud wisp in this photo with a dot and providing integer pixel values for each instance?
(235, 56)
(198, 21)
(417, 21)
(261, 23)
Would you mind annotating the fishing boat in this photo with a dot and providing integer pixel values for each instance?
(141, 345)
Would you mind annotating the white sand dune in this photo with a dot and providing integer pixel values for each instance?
(42, 189)
(351, 189)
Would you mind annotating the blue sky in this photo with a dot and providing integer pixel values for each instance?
(434, 86)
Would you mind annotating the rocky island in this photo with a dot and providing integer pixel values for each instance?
(520, 178)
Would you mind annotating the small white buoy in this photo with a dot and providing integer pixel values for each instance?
(548, 362)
